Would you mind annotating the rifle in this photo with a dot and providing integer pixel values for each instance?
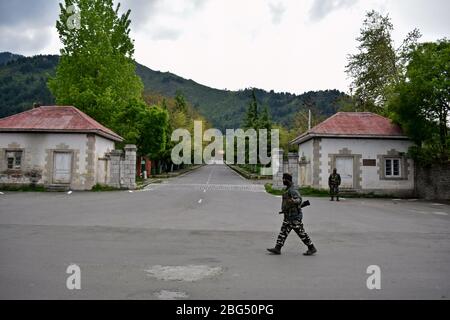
(303, 205)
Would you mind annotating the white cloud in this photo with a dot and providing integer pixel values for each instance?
(277, 11)
(290, 45)
(321, 8)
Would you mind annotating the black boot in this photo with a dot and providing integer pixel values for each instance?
(332, 199)
(311, 251)
(337, 199)
(276, 250)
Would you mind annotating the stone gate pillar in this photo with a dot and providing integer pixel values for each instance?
(128, 169)
(292, 167)
(115, 157)
(277, 178)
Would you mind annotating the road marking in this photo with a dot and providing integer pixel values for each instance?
(441, 213)
(437, 204)
(200, 201)
(210, 175)
(1, 193)
(204, 190)
(417, 211)
(212, 187)
(69, 192)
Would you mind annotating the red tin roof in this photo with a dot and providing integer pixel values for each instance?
(55, 119)
(354, 124)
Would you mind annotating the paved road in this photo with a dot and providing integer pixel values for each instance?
(203, 236)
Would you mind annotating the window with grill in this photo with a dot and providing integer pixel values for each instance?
(392, 168)
(14, 159)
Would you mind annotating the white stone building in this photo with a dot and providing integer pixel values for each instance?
(368, 151)
(55, 146)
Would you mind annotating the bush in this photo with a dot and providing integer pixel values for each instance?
(31, 188)
(100, 187)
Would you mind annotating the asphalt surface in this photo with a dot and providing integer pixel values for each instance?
(204, 235)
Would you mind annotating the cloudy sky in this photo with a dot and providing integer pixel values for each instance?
(282, 45)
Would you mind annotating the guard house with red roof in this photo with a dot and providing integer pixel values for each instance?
(55, 146)
(368, 151)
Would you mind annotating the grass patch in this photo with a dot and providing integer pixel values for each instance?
(308, 191)
(303, 191)
(22, 188)
(99, 187)
(270, 190)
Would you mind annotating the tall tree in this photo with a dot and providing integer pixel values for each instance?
(378, 65)
(180, 102)
(96, 72)
(264, 120)
(251, 117)
(422, 102)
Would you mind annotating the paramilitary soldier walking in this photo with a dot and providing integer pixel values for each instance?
(334, 181)
(293, 216)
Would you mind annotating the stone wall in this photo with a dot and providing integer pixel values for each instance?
(433, 183)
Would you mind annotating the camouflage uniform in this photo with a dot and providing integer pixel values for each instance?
(293, 216)
(334, 181)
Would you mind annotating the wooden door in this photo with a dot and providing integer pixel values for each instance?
(344, 166)
(62, 167)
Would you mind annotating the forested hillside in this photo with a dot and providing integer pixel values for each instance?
(23, 81)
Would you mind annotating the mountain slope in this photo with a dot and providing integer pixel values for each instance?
(23, 82)
(6, 57)
(226, 109)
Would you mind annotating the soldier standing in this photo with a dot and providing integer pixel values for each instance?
(293, 216)
(334, 181)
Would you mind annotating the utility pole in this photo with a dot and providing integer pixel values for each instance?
(309, 119)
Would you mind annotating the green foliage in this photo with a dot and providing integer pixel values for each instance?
(305, 191)
(377, 66)
(153, 128)
(23, 81)
(180, 102)
(251, 119)
(6, 57)
(264, 121)
(143, 126)
(226, 109)
(422, 101)
(96, 72)
(99, 187)
(22, 188)
(301, 121)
